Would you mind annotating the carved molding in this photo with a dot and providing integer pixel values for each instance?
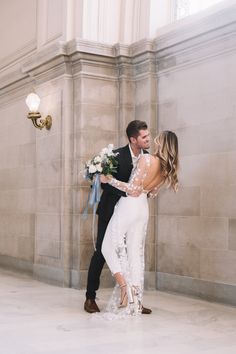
(85, 46)
(196, 42)
(172, 49)
(208, 27)
(21, 50)
(19, 53)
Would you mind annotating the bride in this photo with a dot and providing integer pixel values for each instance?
(123, 244)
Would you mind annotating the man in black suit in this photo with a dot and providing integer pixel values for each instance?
(139, 140)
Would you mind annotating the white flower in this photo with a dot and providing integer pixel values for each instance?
(97, 159)
(99, 167)
(103, 161)
(110, 146)
(103, 152)
(92, 169)
(88, 163)
(109, 150)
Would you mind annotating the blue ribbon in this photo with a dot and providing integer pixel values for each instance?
(92, 201)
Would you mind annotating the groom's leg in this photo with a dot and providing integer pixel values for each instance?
(97, 262)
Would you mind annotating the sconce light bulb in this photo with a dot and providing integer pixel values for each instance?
(33, 102)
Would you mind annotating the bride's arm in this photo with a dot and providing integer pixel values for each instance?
(154, 192)
(135, 185)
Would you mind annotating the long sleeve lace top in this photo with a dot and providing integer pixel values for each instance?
(135, 184)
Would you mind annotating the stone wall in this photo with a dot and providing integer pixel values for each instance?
(17, 186)
(182, 81)
(196, 232)
(96, 102)
(91, 91)
(108, 94)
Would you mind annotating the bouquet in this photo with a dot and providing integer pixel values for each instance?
(104, 163)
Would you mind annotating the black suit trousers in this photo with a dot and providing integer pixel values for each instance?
(97, 261)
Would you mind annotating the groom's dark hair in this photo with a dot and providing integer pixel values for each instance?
(134, 127)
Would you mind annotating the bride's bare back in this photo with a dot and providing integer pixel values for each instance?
(146, 178)
(154, 175)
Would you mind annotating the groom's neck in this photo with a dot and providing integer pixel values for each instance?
(136, 150)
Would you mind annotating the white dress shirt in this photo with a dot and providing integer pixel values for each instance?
(135, 158)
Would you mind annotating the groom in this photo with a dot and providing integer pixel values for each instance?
(139, 140)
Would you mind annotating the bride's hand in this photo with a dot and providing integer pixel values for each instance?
(105, 179)
(134, 193)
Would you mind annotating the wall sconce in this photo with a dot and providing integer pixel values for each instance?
(33, 102)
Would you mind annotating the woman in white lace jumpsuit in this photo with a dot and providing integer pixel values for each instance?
(123, 244)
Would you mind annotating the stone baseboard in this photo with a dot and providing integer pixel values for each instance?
(150, 280)
(16, 264)
(51, 275)
(207, 290)
(107, 281)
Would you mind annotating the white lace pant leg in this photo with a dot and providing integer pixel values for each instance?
(110, 252)
(135, 253)
(123, 249)
(123, 242)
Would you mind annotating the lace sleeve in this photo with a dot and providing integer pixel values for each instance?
(154, 192)
(136, 182)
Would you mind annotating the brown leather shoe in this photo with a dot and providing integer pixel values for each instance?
(90, 306)
(146, 311)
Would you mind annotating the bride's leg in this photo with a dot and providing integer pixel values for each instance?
(115, 254)
(135, 251)
(109, 250)
(123, 289)
(120, 279)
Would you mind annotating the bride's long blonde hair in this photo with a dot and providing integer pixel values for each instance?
(167, 151)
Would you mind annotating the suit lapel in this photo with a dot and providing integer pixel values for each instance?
(127, 157)
(125, 164)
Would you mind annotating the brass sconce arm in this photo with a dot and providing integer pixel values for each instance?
(46, 122)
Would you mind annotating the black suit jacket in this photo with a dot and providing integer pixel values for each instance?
(111, 195)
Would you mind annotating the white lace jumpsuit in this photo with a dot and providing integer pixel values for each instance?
(123, 244)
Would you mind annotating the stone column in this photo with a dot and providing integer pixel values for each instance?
(95, 126)
(146, 109)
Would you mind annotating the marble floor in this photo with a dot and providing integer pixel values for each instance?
(40, 318)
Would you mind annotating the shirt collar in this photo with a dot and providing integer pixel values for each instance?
(132, 154)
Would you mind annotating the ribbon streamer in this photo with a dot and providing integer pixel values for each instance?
(92, 201)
